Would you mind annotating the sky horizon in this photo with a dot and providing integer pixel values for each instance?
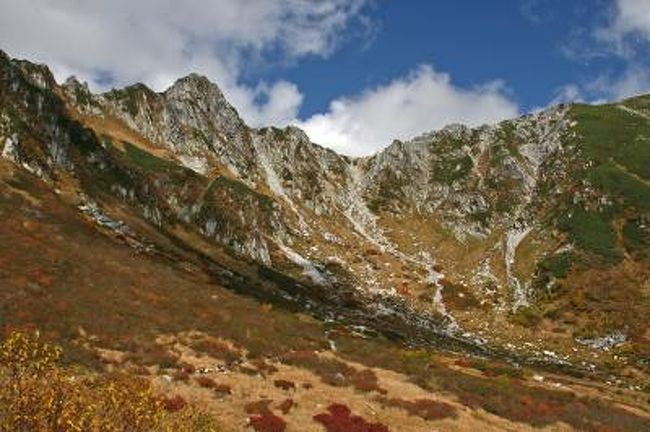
(354, 74)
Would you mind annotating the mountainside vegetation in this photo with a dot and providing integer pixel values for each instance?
(240, 278)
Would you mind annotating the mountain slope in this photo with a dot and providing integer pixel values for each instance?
(527, 240)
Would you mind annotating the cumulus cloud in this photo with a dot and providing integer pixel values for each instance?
(629, 34)
(633, 15)
(120, 42)
(421, 101)
(629, 25)
(624, 37)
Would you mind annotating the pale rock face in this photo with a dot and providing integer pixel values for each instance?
(439, 174)
(197, 164)
(38, 74)
(453, 176)
(10, 152)
(84, 100)
(192, 118)
(605, 343)
(513, 239)
(309, 268)
(9, 149)
(426, 175)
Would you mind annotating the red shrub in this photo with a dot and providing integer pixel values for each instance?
(366, 381)
(268, 422)
(205, 382)
(404, 290)
(340, 419)
(284, 384)
(264, 420)
(173, 404)
(216, 349)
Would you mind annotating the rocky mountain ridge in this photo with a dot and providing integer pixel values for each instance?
(495, 233)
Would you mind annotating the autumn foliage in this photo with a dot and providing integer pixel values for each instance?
(39, 395)
(340, 419)
(264, 420)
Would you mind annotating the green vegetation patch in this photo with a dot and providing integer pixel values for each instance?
(592, 232)
(450, 170)
(146, 160)
(612, 135)
(616, 144)
(388, 191)
(239, 188)
(558, 265)
(452, 164)
(621, 184)
(640, 103)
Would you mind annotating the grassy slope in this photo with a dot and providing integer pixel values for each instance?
(60, 274)
(602, 285)
(616, 143)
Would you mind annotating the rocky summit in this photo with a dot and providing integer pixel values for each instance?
(510, 260)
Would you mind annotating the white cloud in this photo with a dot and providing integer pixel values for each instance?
(157, 41)
(634, 81)
(626, 33)
(568, 94)
(629, 33)
(631, 18)
(421, 101)
(119, 42)
(280, 107)
(626, 36)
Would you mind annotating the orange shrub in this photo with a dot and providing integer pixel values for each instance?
(38, 395)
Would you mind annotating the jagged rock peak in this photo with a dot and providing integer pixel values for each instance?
(72, 83)
(195, 85)
(194, 78)
(39, 74)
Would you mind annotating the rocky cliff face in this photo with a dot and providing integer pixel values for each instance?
(495, 231)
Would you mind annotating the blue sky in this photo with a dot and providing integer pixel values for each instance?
(476, 42)
(525, 43)
(353, 73)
